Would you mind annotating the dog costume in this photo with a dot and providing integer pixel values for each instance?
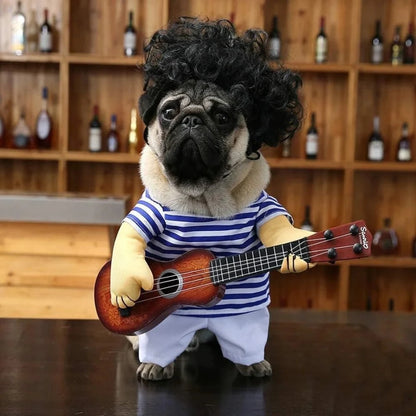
(210, 102)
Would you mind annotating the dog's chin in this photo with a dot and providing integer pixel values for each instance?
(193, 164)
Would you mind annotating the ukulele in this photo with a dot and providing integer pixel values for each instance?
(198, 278)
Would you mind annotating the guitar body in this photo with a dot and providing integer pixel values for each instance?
(184, 281)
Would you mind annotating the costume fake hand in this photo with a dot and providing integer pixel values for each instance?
(278, 231)
(129, 270)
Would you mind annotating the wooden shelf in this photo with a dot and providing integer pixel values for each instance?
(386, 262)
(75, 156)
(87, 59)
(387, 69)
(34, 154)
(88, 68)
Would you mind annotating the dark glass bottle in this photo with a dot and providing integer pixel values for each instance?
(95, 140)
(397, 48)
(21, 134)
(385, 240)
(273, 43)
(130, 38)
(44, 124)
(45, 36)
(312, 139)
(321, 44)
(113, 141)
(307, 223)
(409, 47)
(377, 46)
(375, 143)
(404, 153)
(414, 247)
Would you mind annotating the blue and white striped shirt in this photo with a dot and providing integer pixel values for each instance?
(169, 234)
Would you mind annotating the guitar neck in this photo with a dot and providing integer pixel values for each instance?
(227, 269)
(348, 241)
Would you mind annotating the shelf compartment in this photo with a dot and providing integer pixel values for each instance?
(29, 175)
(103, 23)
(387, 69)
(379, 195)
(392, 98)
(21, 90)
(114, 90)
(320, 189)
(317, 288)
(101, 178)
(376, 288)
(299, 25)
(391, 13)
(33, 11)
(385, 166)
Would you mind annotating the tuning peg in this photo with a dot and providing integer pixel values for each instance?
(328, 234)
(357, 248)
(332, 253)
(354, 230)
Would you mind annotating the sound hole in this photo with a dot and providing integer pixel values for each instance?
(169, 283)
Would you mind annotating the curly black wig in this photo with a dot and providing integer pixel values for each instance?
(212, 51)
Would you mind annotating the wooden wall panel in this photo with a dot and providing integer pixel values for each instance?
(376, 287)
(386, 194)
(103, 23)
(299, 25)
(114, 90)
(393, 99)
(33, 10)
(21, 91)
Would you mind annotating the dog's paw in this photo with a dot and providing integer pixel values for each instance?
(154, 372)
(193, 345)
(261, 369)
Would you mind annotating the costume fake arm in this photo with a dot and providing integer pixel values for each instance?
(278, 231)
(129, 270)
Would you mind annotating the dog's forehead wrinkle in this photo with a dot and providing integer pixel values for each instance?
(183, 98)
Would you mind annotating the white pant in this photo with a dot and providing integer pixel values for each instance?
(242, 337)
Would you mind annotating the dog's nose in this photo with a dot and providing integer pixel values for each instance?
(191, 121)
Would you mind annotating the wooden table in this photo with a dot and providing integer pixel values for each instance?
(325, 363)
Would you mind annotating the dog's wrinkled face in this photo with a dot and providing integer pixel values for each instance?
(198, 136)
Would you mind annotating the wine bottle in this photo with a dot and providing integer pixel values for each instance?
(321, 44)
(397, 48)
(312, 139)
(95, 141)
(45, 36)
(403, 153)
(375, 143)
(21, 133)
(2, 130)
(113, 137)
(44, 124)
(273, 43)
(307, 223)
(385, 240)
(409, 46)
(130, 38)
(18, 27)
(414, 247)
(32, 32)
(133, 133)
(377, 46)
(287, 148)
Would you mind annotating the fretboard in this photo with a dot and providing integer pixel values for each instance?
(251, 263)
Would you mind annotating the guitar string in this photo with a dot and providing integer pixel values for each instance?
(184, 290)
(201, 272)
(227, 268)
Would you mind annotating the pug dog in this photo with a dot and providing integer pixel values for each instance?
(210, 102)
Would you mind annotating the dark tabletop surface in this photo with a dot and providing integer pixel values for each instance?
(324, 363)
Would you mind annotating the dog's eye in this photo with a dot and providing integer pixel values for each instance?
(169, 113)
(221, 118)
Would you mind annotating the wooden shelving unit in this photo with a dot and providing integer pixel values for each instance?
(88, 68)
